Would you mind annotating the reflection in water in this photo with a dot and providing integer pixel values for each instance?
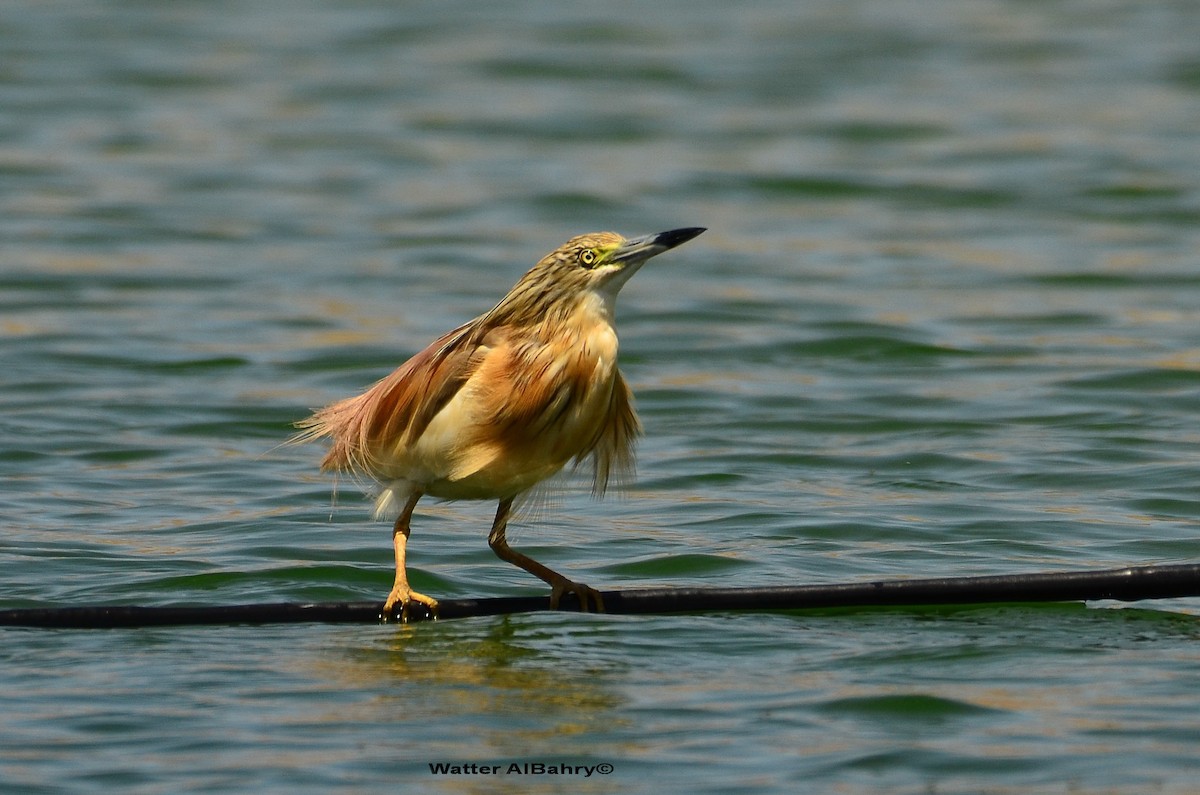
(510, 684)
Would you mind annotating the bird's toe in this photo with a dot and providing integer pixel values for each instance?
(406, 598)
(590, 599)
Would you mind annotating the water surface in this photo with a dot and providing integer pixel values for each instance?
(944, 322)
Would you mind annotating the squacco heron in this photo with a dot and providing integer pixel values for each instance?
(501, 403)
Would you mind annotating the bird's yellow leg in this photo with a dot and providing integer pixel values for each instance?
(400, 591)
(559, 585)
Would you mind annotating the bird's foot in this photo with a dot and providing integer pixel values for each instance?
(406, 596)
(588, 597)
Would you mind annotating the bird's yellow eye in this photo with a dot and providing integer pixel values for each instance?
(587, 258)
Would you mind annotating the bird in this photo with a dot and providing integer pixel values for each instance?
(496, 406)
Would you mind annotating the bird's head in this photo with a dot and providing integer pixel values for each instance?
(596, 264)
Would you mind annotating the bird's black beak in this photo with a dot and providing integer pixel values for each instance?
(640, 249)
(677, 237)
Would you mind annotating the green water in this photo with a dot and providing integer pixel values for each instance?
(944, 322)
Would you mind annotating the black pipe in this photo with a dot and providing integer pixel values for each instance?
(1127, 585)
